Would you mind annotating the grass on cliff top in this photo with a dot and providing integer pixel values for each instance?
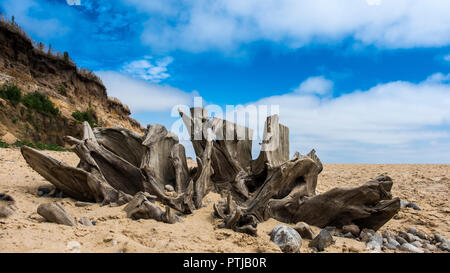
(40, 48)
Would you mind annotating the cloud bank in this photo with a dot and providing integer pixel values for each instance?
(141, 95)
(198, 25)
(315, 85)
(146, 70)
(395, 122)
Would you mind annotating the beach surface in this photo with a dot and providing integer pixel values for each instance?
(26, 231)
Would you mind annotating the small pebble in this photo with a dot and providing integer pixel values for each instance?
(412, 230)
(445, 246)
(349, 235)
(413, 205)
(44, 190)
(393, 242)
(422, 235)
(366, 234)
(313, 249)
(82, 204)
(400, 240)
(353, 229)
(304, 230)
(377, 237)
(73, 247)
(403, 203)
(417, 244)
(331, 229)
(85, 221)
(286, 238)
(373, 245)
(169, 188)
(322, 240)
(7, 210)
(388, 234)
(439, 238)
(430, 247)
(390, 246)
(410, 248)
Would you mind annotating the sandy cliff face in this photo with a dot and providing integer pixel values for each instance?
(67, 87)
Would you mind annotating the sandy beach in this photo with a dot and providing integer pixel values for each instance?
(25, 231)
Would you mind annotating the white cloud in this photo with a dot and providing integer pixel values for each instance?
(140, 95)
(438, 78)
(198, 25)
(315, 85)
(145, 69)
(396, 122)
(73, 2)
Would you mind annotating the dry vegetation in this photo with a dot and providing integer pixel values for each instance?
(40, 48)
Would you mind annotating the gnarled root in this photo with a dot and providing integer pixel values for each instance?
(142, 206)
(368, 206)
(233, 217)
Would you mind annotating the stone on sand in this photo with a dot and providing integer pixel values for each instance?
(45, 190)
(413, 205)
(401, 240)
(412, 230)
(6, 197)
(85, 221)
(393, 242)
(366, 234)
(439, 238)
(445, 245)
(403, 203)
(82, 204)
(353, 229)
(410, 248)
(7, 210)
(417, 244)
(55, 212)
(73, 247)
(322, 240)
(430, 247)
(304, 230)
(349, 235)
(286, 238)
(373, 245)
(390, 246)
(169, 188)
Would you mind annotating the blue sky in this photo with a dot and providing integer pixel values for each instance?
(360, 80)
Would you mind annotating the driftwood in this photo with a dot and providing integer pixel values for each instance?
(368, 206)
(101, 176)
(117, 164)
(142, 207)
(122, 142)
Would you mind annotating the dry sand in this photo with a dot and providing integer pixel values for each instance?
(26, 231)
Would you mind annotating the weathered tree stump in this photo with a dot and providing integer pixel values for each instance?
(117, 164)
